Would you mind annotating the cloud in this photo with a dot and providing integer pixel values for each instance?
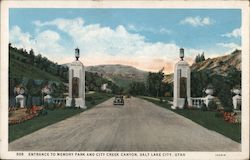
(161, 30)
(99, 45)
(20, 38)
(45, 42)
(235, 33)
(197, 21)
(229, 45)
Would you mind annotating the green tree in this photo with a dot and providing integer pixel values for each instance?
(154, 83)
(31, 56)
(137, 88)
(200, 58)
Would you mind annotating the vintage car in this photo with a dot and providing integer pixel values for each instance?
(118, 100)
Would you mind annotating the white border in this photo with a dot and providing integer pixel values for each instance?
(243, 5)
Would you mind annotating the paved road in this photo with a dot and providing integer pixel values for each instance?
(137, 126)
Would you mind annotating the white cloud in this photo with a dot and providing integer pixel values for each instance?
(20, 38)
(45, 42)
(229, 45)
(235, 33)
(100, 45)
(197, 21)
(161, 30)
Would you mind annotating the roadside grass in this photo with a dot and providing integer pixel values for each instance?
(206, 119)
(19, 130)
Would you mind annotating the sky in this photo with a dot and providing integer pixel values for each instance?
(148, 39)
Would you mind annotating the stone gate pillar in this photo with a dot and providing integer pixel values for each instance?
(76, 82)
(182, 81)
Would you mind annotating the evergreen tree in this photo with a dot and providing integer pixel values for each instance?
(31, 57)
(200, 58)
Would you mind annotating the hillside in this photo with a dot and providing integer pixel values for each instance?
(20, 68)
(120, 74)
(34, 71)
(219, 65)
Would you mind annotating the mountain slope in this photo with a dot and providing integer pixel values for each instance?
(219, 65)
(120, 74)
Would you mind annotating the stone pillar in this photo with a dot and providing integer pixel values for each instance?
(189, 87)
(83, 84)
(209, 98)
(182, 70)
(76, 71)
(236, 100)
(20, 99)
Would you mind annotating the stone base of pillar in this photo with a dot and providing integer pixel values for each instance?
(79, 102)
(178, 103)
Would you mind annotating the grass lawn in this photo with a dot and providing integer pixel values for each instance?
(53, 116)
(206, 119)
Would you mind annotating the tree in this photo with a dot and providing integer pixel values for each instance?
(137, 88)
(31, 56)
(38, 60)
(31, 86)
(233, 77)
(222, 84)
(200, 58)
(154, 83)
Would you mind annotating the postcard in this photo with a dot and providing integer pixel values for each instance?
(124, 80)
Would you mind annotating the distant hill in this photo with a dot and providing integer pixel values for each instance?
(219, 65)
(122, 75)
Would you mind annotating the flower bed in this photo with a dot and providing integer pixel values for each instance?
(18, 116)
(232, 117)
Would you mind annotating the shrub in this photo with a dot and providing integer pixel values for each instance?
(51, 106)
(227, 109)
(46, 105)
(212, 105)
(17, 105)
(61, 105)
(203, 106)
(93, 102)
(88, 98)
